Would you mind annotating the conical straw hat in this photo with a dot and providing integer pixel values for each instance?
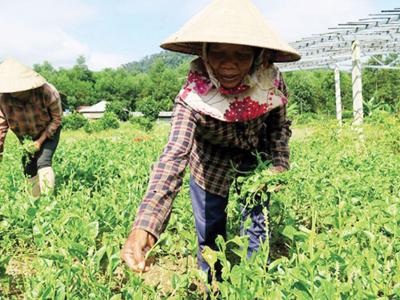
(16, 77)
(232, 22)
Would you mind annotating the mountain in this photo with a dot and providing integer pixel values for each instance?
(171, 59)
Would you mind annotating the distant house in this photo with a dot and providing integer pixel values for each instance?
(79, 108)
(163, 116)
(93, 112)
(136, 114)
(96, 112)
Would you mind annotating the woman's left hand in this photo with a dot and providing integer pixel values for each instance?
(37, 145)
(39, 142)
(277, 169)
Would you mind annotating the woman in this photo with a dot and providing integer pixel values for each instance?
(31, 108)
(232, 105)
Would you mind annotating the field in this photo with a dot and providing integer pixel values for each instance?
(335, 223)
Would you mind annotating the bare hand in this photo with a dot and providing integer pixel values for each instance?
(37, 145)
(39, 142)
(277, 170)
(139, 242)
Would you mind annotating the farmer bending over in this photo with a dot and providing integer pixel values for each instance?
(31, 108)
(232, 105)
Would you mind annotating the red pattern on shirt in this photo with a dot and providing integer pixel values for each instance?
(234, 91)
(244, 110)
(202, 84)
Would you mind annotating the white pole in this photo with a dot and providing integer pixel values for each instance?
(338, 96)
(357, 84)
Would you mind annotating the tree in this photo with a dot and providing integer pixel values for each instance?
(382, 86)
(151, 85)
(46, 70)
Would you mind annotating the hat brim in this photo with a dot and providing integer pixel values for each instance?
(195, 48)
(236, 22)
(10, 88)
(16, 77)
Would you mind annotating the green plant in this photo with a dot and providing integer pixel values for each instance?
(29, 146)
(109, 121)
(142, 122)
(74, 121)
(334, 222)
(292, 110)
(90, 127)
(150, 107)
(119, 109)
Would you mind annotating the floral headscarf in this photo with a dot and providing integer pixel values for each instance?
(257, 94)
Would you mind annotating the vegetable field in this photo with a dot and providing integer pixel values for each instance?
(335, 222)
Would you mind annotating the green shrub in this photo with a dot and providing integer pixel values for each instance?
(88, 128)
(91, 127)
(347, 114)
(305, 118)
(149, 107)
(144, 123)
(119, 109)
(378, 117)
(94, 126)
(109, 121)
(74, 121)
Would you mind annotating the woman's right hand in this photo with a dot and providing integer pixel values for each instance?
(139, 242)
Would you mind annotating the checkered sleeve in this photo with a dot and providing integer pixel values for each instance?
(53, 101)
(167, 174)
(279, 133)
(3, 130)
(282, 86)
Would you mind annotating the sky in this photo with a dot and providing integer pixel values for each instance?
(111, 33)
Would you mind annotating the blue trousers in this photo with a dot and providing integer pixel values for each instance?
(210, 219)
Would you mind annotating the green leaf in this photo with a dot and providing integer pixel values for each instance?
(209, 255)
(93, 230)
(301, 290)
(237, 240)
(53, 257)
(3, 264)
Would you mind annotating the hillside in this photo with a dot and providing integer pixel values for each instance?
(171, 59)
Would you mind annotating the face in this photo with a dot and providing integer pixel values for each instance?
(230, 63)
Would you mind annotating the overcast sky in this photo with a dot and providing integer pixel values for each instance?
(110, 33)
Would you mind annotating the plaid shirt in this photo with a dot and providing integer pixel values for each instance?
(41, 113)
(211, 147)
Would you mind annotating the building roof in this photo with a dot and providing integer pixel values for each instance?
(165, 114)
(96, 108)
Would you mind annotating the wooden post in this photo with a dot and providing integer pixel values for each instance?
(338, 96)
(357, 85)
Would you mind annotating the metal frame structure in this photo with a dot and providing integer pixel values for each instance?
(346, 46)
